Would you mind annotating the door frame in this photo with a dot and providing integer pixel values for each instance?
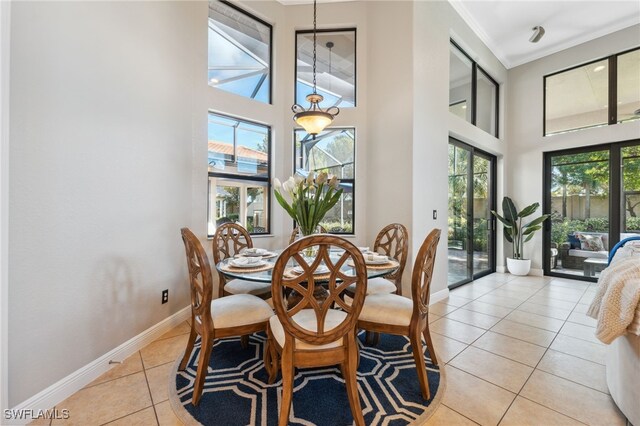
(616, 210)
(492, 246)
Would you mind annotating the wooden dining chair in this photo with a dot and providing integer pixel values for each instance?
(296, 234)
(228, 240)
(235, 315)
(395, 314)
(313, 333)
(393, 242)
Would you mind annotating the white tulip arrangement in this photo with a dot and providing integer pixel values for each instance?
(308, 200)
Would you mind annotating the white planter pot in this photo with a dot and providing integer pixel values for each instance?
(518, 266)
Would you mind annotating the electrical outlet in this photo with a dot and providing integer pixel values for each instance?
(165, 296)
(435, 214)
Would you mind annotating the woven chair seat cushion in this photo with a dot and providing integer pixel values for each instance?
(387, 309)
(239, 286)
(306, 319)
(239, 309)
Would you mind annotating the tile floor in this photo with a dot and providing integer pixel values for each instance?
(517, 351)
(521, 351)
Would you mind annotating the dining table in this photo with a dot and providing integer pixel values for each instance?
(261, 271)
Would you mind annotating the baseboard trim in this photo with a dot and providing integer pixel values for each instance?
(536, 272)
(64, 388)
(438, 296)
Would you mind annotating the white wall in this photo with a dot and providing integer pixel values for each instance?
(102, 98)
(5, 36)
(390, 121)
(434, 24)
(524, 132)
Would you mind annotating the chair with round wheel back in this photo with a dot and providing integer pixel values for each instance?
(228, 241)
(314, 333)
(393, 242)
(235, 315)
(395, 314)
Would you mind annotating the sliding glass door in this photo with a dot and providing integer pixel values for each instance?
(593, 196)
(471, 232)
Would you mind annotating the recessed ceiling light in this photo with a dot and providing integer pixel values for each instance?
(464, 107)
(214, 81)
(599, 68)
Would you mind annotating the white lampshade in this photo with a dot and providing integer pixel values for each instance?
(313, 122)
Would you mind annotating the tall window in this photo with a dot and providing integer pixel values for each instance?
(473, 94)
(239, 173)
(335, 67)
(239, 52)
(332, 151)
(600, 93)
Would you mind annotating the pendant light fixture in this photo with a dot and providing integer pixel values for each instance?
(314, 119)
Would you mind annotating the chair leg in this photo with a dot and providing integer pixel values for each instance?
(287, 385)
(349, 368)
(418, 357)
(244, 341)
(187, 352)
(376, 338)
(271, 357)
(203, 364)
(368, 337)
(427, 338)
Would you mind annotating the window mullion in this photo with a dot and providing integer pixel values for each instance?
(613, 89)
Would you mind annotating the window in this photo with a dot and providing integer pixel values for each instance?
(460, 72)
(600, 93)
(471, 231)
(335, 67)
(239, 52)
(486, 102)
(628, 86)
(577, 99)
(239, 173)
(332, 151)
(473, 94)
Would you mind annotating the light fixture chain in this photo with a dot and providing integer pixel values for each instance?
(314, 46)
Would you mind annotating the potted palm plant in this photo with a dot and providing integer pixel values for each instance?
(518, 233)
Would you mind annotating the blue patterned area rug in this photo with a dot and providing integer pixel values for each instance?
(236, 391)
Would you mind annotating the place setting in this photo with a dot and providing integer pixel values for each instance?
(375, 260)
(250, 260)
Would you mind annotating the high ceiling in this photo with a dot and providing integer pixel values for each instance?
(505, 26)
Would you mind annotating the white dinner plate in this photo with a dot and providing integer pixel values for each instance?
(255, 252)
(237, 263)
(371, 262)
(321, 269)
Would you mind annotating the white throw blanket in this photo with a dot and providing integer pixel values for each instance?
(615, 305)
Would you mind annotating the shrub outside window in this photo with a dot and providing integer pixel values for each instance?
(239, 173)
(332, 151)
